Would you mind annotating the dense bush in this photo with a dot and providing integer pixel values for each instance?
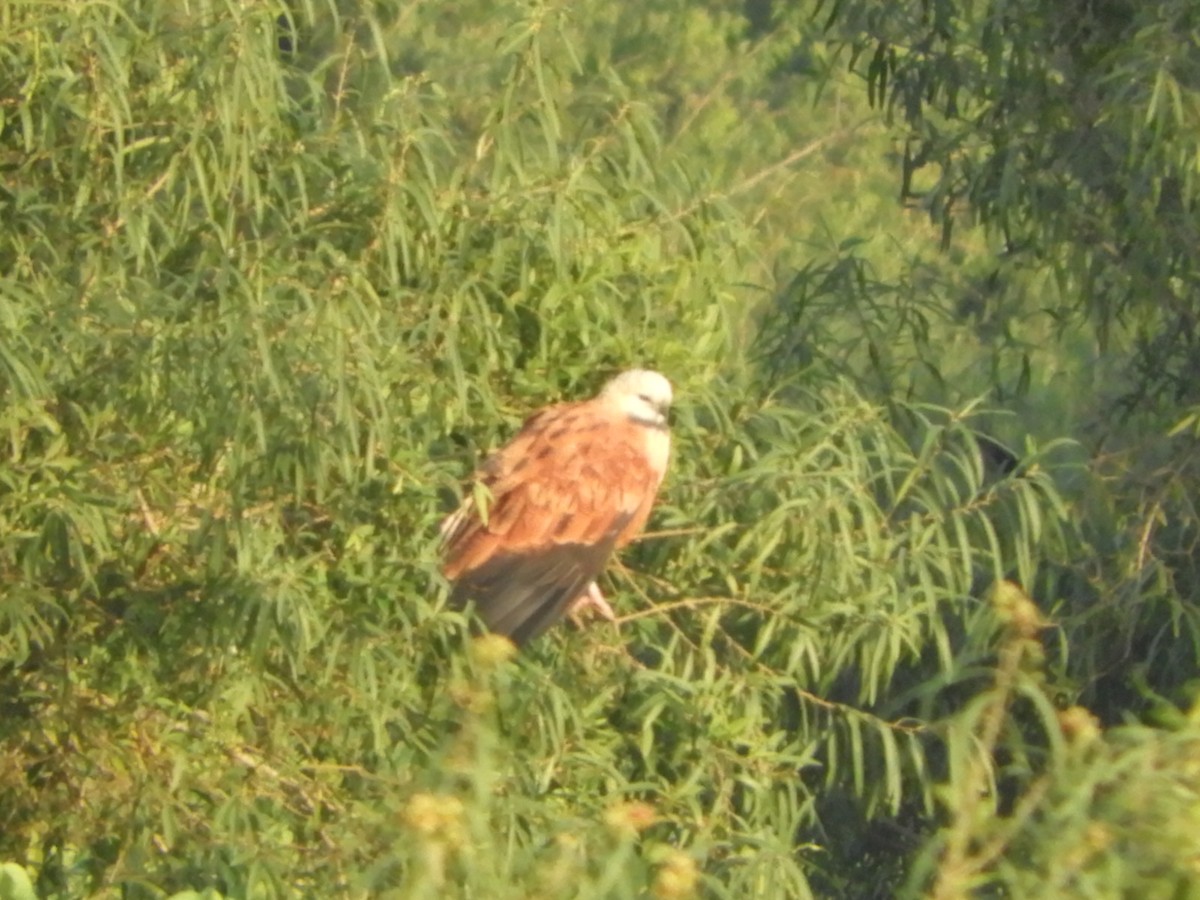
(273, 278)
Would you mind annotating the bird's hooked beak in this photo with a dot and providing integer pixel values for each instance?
(659, 410)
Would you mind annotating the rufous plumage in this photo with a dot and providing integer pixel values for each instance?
(577, 482)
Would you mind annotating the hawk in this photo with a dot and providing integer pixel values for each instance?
(577, 482)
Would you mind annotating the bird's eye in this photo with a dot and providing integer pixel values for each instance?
(645, 398)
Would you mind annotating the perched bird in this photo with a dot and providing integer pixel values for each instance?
(577, 482)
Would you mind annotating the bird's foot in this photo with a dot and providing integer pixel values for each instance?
(590, 598)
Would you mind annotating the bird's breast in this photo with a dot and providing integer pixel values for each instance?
(658, 450)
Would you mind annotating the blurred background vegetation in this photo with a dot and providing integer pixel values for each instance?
(917, 615)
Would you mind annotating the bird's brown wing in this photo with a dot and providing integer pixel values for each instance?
(563, 492)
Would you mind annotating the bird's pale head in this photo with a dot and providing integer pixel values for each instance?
(643, 395)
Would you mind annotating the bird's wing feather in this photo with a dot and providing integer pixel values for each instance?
(562, 494)
(521, 595)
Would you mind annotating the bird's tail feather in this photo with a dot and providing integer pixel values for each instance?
(522, 595)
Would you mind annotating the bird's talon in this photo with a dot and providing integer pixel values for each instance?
(593, 599)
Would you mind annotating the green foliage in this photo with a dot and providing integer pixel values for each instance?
(1070, 130)
(273, 277)
(15, 883)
